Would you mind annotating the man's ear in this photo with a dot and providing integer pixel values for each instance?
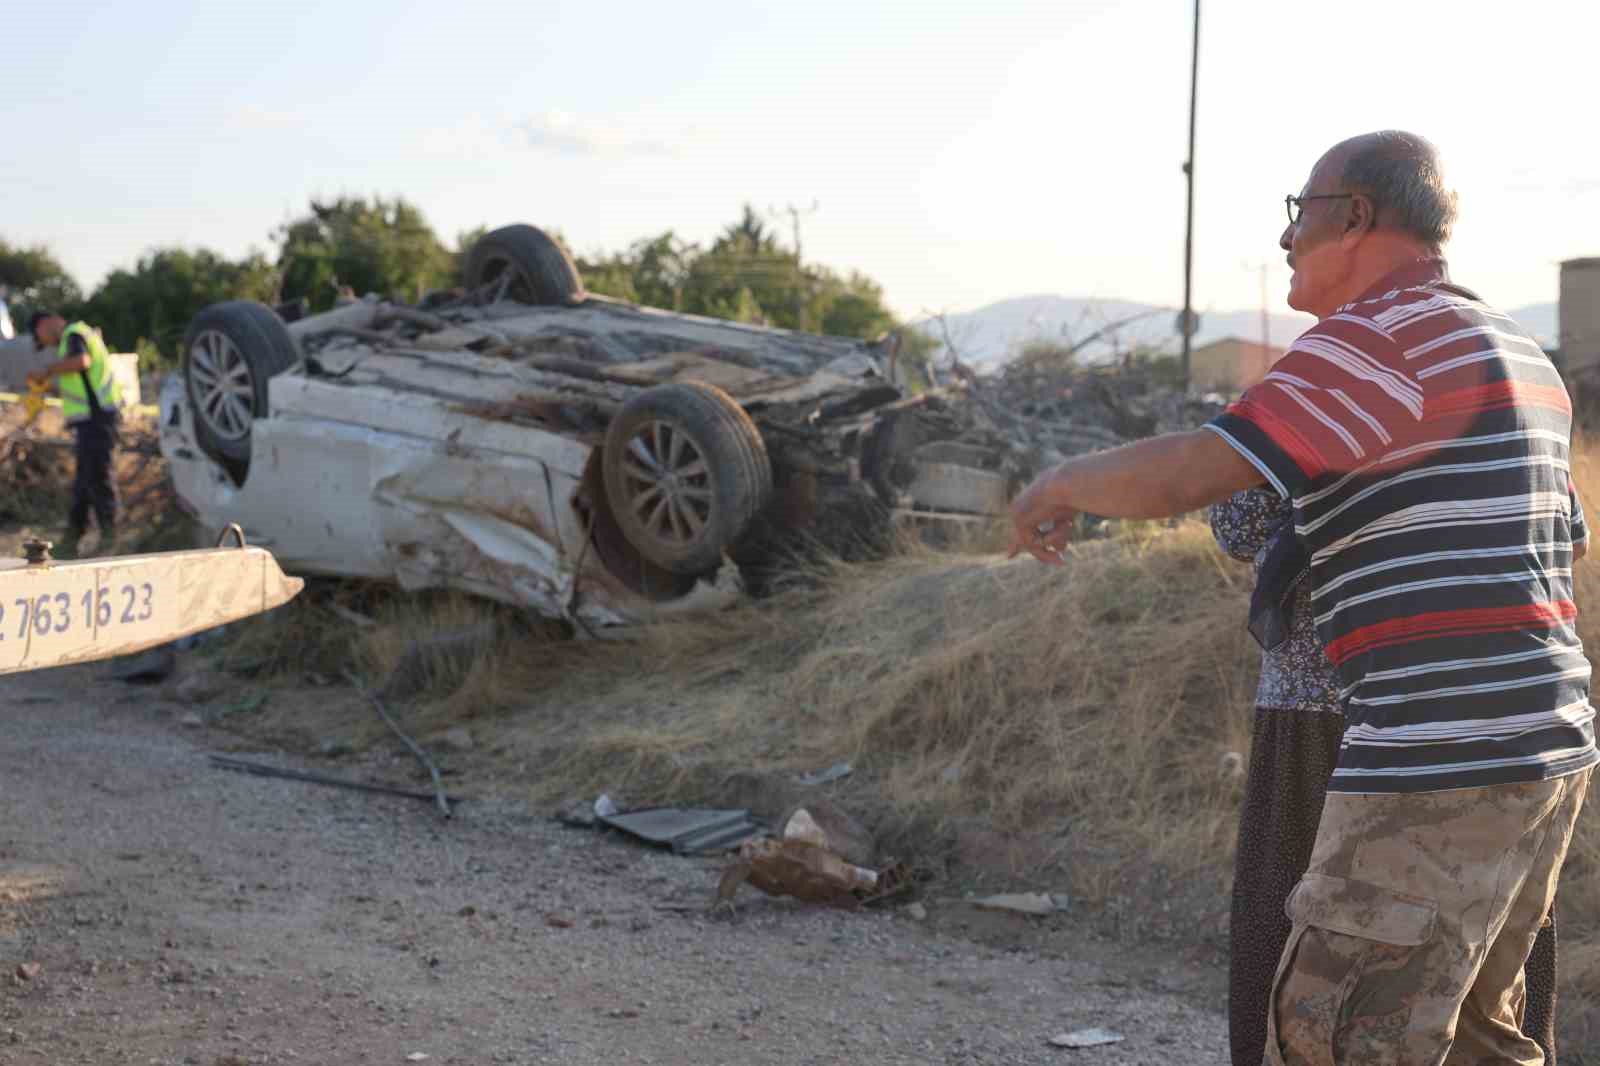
(1361, 218)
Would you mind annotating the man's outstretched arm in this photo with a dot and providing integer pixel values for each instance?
(1156, 478)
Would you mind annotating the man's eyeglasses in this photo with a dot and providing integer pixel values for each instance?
(1295, 204)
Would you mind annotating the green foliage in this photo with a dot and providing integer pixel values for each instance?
(746, 276)
(653, 271)
(147, 309)
(34, 279)
(385, 246)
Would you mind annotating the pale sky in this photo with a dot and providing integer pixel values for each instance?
(959, 153)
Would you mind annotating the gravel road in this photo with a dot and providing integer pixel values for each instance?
(157, 910)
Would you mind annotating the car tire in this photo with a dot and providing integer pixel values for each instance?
(685, 471)
(230, 351)
(541, 270)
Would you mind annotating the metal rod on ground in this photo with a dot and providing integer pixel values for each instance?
(422, 756)
(228, 762)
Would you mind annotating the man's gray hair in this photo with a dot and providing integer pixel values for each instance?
(1400, 173)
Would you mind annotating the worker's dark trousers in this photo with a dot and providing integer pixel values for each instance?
(94, 488)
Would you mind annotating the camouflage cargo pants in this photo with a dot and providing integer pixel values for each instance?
(1412, 924)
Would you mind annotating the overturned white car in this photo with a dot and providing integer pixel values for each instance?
(523, 440)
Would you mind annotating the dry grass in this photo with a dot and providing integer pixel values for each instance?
(1578, 913)
(1090, 709)
(1072, 725)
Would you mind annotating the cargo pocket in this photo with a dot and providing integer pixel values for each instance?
(1375, 927)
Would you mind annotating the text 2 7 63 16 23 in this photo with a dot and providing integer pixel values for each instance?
(99, 608)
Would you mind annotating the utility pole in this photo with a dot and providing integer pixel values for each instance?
(1186, 322)
(795, 214)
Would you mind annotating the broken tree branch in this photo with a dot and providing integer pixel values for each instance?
(422, 756)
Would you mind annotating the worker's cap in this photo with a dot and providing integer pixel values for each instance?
(33, 326)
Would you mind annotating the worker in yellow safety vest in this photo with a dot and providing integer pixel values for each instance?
(90, 402)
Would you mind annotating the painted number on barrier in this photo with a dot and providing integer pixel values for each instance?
(54, 613)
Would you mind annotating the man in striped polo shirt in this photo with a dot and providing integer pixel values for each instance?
(1423, 439)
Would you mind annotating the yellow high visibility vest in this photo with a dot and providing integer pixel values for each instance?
(74, 398)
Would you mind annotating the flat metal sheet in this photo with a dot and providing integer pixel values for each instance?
(687, 830)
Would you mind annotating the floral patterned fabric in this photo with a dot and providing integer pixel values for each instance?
(1297, 676)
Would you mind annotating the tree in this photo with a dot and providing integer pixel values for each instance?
(746, 272)
(153, 303)
(849, 307)
(385, 246)
(33, 279)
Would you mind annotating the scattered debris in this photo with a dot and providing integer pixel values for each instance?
(806, 863)
(191, 720)
(1231, 766)
(917, 912)
(1083, 1038)
(824, 776)
(27, 971)
(586, 814)
(228, 762)
(827, 825)
(1031, 903)
(1054, 411)
(686, 830)
(556, 921)
(422, 756)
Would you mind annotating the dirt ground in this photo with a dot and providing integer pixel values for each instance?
(155, 909)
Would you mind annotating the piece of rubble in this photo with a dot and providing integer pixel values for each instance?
(808, 862)
(829, 826)
(1083, 1038)
(686, 830)
(917, 912)
(27, 971)
(1035, 904)
(1231, 766)
(831, 773)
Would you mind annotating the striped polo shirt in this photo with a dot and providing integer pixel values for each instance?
(1423, 440)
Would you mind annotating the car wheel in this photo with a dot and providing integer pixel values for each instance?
(685, 473)
(230, 352)
(534, 268)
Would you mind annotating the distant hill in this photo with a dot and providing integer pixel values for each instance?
(991, 336)
(1539, 320)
